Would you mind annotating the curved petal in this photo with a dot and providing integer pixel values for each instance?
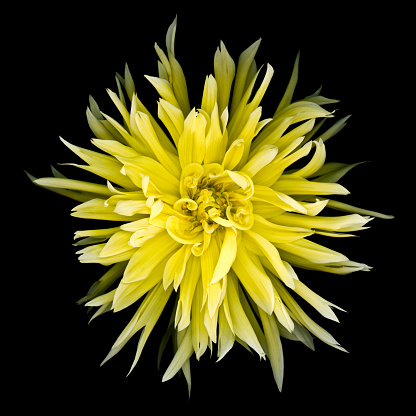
(227, 255)
(253, 277)
(182, 231)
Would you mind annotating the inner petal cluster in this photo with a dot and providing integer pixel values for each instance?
(212, 197)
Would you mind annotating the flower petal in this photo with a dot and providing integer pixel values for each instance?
(304, 319)
(319, 303)
(175, 267)
(279, 199)
(274, 346)
(241, 325)
(278, 233)
(261, 159)
(272, 254)
(311, 251)
(253, 277)
(296, 185)
(183, 353)
(227, 255)
(149, 256)
(172, 117)
(186, 293)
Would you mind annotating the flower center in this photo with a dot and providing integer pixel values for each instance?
(212, 197)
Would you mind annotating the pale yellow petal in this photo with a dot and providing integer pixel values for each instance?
(261, 159)
(102, 299)
(97, 127)
(166, 143)
(254, 279)
(319, 303)
(105, 166)
(290, 89)
(274, 346)
(212, 291)
(246, 131)
(149, 256)
(272, 254)
(199, 331)
(215, 141)
(282, 313)
(296, 185)
(304, 319)
(350, 222)
(164, 88)
(233, 155)
(134, 142)
(191, 143)
(209, 95)
(336, 128)
(120, 106)
(105, 282)
(300, 111)
(115, 148)
(211, 322)
(175, 267)
(349, 208)
(276, 198)
(245, 109)
(118, 243)
(172, 117)
(340, 268)
(227, 255)
(333, 171)
(312, 252)
(244, 63)
(169, 160)
(278, 233)
(224, 69)
(186, 293)
(226, 336)
(183, 353)
(131, 207)
(72, 184)
(103, 232)
(146, 316)
(143, 233)
(241, 325)
(96, 209)
(179, 86)
(183, 232)
(138, 167)
(274, 170)
(91, 254)
(272, 137)
(315, 163)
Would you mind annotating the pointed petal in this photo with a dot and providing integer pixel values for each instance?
(311, 251)
(227, 255)
(241, 325)
(186, 294)
(175, 267)
(274, 346)
(278, 233)
(290, 89)
(296, 185)
(272, 254)
(183, 353)
(253, 277)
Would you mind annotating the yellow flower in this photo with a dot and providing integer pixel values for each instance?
(217, 213)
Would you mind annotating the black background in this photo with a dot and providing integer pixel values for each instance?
(57, 57)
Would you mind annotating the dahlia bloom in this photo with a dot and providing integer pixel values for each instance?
(216, 207)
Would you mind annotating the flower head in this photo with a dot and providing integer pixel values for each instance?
(214, 206)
